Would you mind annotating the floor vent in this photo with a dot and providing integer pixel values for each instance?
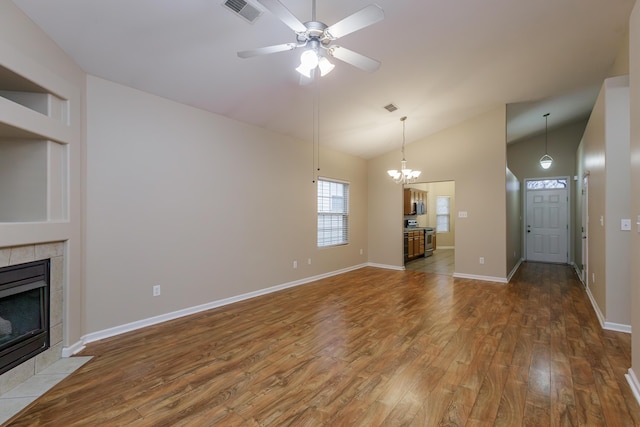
(243, 9)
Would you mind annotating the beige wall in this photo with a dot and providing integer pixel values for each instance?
(617, 205)
(620, 66)
(206, 207)
(514, 221)
(27, 51)
(605, 158)
(473, 154)
(634, 84)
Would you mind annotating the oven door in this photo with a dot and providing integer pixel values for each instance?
(428, 243)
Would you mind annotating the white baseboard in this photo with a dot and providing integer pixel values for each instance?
(445, 247)
(72, 349)
(483, 278)
(121, 329)
(618, 327)
(594, 304)
(514, 270)
(386, 266)
(578, 272)
(633, 383)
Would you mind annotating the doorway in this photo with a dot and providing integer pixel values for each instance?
(437, 215)
(546, 233)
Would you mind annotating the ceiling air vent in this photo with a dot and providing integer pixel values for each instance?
(243, 9)
(390, 108)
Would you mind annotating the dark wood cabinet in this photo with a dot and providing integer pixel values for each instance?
(412, 201)
(413, 244)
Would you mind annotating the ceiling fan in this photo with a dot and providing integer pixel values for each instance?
(317, 38)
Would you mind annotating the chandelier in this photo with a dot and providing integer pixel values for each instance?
(404, 175)
(546, 160)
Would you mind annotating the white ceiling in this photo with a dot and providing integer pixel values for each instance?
(443, 61)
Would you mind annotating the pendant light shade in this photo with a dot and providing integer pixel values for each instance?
(546, 161)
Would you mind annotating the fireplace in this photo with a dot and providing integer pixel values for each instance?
(24, 312)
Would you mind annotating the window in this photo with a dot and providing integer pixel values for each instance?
(333, 213)
(443, 213)
(546, 184)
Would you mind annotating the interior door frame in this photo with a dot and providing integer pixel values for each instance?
(524, 216)
(585, 230)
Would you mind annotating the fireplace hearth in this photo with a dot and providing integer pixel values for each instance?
(24, 312)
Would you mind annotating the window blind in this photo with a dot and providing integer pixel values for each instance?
(333, 212)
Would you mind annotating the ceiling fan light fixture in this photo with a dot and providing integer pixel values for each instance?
(304, 71)
(325, 66)
(315, 35)
(309, 59)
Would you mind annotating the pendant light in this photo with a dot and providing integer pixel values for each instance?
(546, 160)
(404, 175)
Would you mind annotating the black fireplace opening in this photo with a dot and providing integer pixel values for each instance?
(24, 312)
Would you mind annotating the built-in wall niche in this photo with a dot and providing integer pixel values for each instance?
(33, 180)
(24, 92)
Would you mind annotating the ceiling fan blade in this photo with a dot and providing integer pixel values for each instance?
(362, 18)
(280, 11)
(267, 50)
(354, 58)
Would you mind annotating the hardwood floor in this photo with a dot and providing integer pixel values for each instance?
(371, 347)
(441, 262)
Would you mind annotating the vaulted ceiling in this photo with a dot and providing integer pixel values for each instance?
(443, 61)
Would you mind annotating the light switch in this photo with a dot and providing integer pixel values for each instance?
(625, 224)
(463, 214)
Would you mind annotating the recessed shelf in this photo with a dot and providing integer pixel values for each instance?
(24, 92)
(34, 135)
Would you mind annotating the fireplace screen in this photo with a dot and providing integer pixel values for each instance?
(24, 312)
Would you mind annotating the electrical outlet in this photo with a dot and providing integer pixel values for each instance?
(309, 261)
(156, 290)
(361, 252)
(295, 264)
(481, 260)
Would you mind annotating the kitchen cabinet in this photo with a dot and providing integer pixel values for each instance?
(413, 200)
(413, 244)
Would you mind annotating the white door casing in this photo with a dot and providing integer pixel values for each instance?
(547, 225)
(585, 230)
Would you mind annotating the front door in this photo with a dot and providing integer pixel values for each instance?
(547, 221)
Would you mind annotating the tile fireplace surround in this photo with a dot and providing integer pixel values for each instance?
(27, 253)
